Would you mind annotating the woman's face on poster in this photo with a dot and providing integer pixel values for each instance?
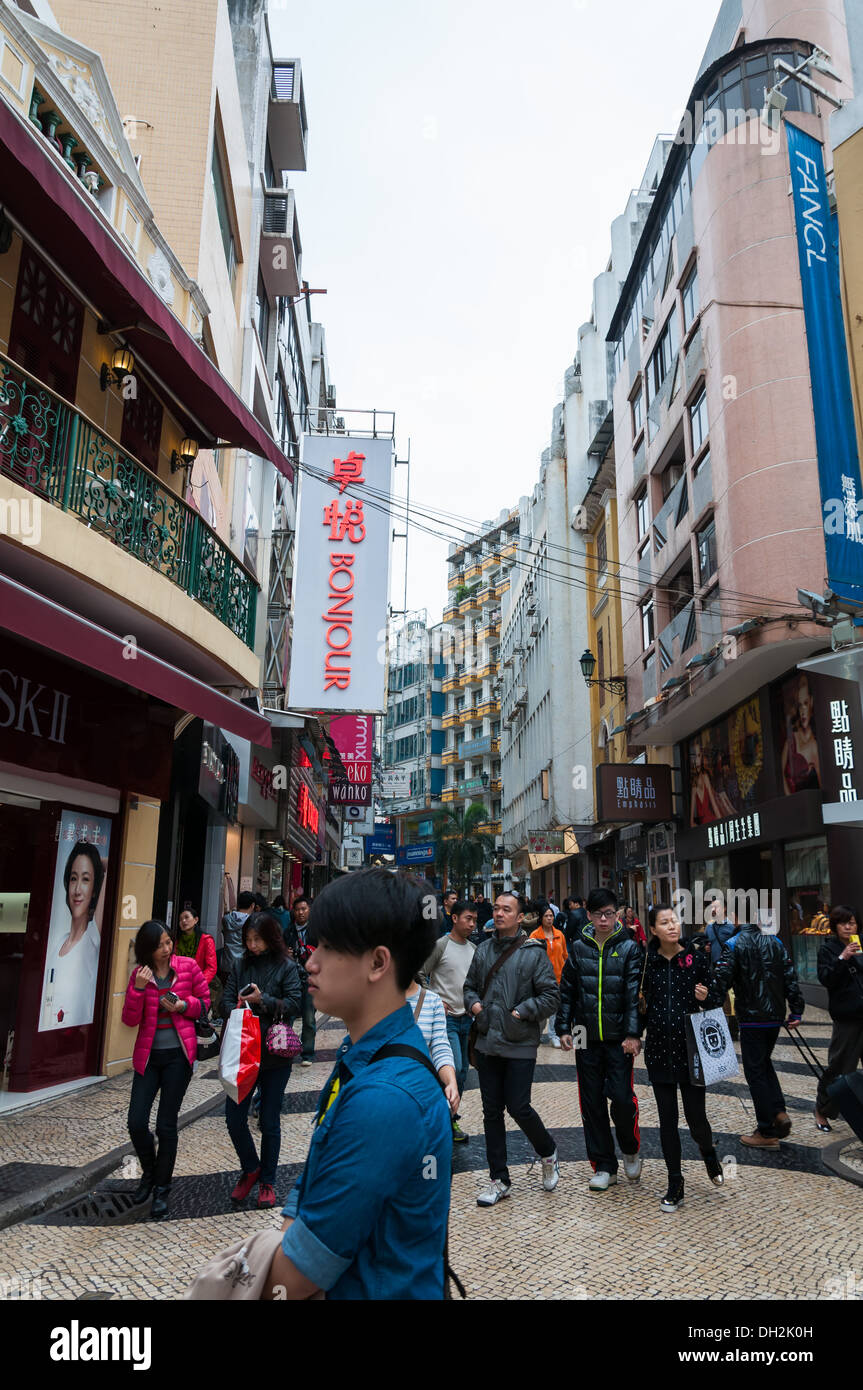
(804, 704)
(696, 758)
(80, 892)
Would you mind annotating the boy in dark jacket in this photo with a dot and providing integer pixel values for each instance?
(509, 1010)
(758, 968)
(599, 994)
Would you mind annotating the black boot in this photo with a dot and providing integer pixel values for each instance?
(674, 1196)
(145, 1186)
(159, 1209)
(713, 1166)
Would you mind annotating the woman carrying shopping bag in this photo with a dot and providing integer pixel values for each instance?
(674, 982)
(267, 980)
(165, 996)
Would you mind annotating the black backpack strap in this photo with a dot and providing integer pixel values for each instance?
(404, 1050)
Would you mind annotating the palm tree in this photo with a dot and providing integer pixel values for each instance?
(462, 849)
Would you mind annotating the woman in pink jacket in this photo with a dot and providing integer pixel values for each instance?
(165, 995)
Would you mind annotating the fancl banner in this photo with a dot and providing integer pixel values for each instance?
(341, 575)
(835, 435)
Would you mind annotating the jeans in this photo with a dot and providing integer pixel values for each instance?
(307, 1037)
(756, 1046)
(457, 1029)
(694, 1099)
(846, 1050)
(604, 1069)
(169, 1073)
(505, 1083)
(272, 1084)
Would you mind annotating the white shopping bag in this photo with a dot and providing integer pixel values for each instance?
(240, 1057)
(711, 1051)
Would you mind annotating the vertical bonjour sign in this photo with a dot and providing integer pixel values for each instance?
(341, 575)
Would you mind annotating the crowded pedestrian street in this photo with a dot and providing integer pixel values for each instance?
(570, 1244)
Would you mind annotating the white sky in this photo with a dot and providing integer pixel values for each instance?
(466, 160)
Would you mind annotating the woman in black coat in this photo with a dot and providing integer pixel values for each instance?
(840, 970)
(674, 984)
(269, 982)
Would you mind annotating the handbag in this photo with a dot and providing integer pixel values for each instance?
(239, 1272)
(474, 1031)
(282, 1041)
(709, 1048)
(208, 1038)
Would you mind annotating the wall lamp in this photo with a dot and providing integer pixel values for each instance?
(185, 456)
(587, 662)
(122, 365)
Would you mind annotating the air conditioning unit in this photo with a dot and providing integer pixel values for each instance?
(534, 628)
(531, 604)
(331, 398)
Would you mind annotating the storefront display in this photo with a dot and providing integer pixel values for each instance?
(807, 876)
(75, 932)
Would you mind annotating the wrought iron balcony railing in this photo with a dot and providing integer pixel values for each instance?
(53, 450)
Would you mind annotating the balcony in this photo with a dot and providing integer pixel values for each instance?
(281, 251)
(489, 827)
(472, 678)
(451, 757)
(452, 794)
(489, 671)
(495, 745)
(456, 580)
(451, 683)
(496, 786)
(489, 629)
(55, 452)
(489, 561)
(501, 587)
(488, 708)
(469, 604)
(452, 720)
(508, 551)
(486, 593)
(473, 572)
(450, 613)
(287, 127)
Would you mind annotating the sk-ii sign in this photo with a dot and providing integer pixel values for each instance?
(835, 434)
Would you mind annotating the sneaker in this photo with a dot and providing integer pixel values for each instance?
(555, 1040)
(494, 1193)
(550, 1172)
(757, 1140)
(266, 1196)
(632, 1166)
(245, 1185)
(782, 1125)
(601, 1182)
(306, 1062)
(714, 1167)
(674, 1196)
(458, 1134)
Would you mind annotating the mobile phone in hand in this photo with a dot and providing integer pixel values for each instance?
(170, 997)
(249, 989)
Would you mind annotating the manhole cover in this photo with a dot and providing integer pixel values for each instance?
(94, 1209)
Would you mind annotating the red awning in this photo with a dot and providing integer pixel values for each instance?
(40, 193)
(37, 619)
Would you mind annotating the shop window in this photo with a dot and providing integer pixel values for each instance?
(691, 303)
(47, 322)
(807, 878)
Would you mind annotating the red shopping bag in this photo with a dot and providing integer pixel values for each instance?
(240, 1057)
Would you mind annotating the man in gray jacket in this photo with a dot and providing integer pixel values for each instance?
(509, 1009)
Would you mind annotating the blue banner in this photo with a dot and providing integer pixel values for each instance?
(835, 434)
(384, 839)
(415, 854)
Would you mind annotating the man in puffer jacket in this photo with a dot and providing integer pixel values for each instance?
(599, 994)
(509, 1011)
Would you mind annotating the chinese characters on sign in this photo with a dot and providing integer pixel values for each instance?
(636, 793)
(843, 747)
(546, 842)
(734, 832)
(308, 815)
(341, 574)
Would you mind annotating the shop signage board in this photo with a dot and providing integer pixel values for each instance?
(359, 818)
(341, 576)
(353, 735)
(416, 854)
(395, 783)
(219, 773)
(546, 841)
(634, 792)
(383, 841)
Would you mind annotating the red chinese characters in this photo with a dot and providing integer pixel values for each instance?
(346, 524)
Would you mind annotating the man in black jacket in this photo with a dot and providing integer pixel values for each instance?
(599, 994)
(758, 968)
(510, 1008)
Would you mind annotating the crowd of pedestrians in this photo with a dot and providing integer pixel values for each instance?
(424, 997)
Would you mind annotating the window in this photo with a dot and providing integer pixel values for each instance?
(269, 168)
(647, 623)
(669, 479)
(691, 302)
(642, 513)
(262, 314)
(698, 420)
(706, 539)
(664, 356)
(220, 190)
(601, 551)
(637, 412)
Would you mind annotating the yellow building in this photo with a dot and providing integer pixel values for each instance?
(124, 612)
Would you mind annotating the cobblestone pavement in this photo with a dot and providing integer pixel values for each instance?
(783, 1227)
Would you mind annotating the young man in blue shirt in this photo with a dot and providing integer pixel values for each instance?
(367, 1217)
